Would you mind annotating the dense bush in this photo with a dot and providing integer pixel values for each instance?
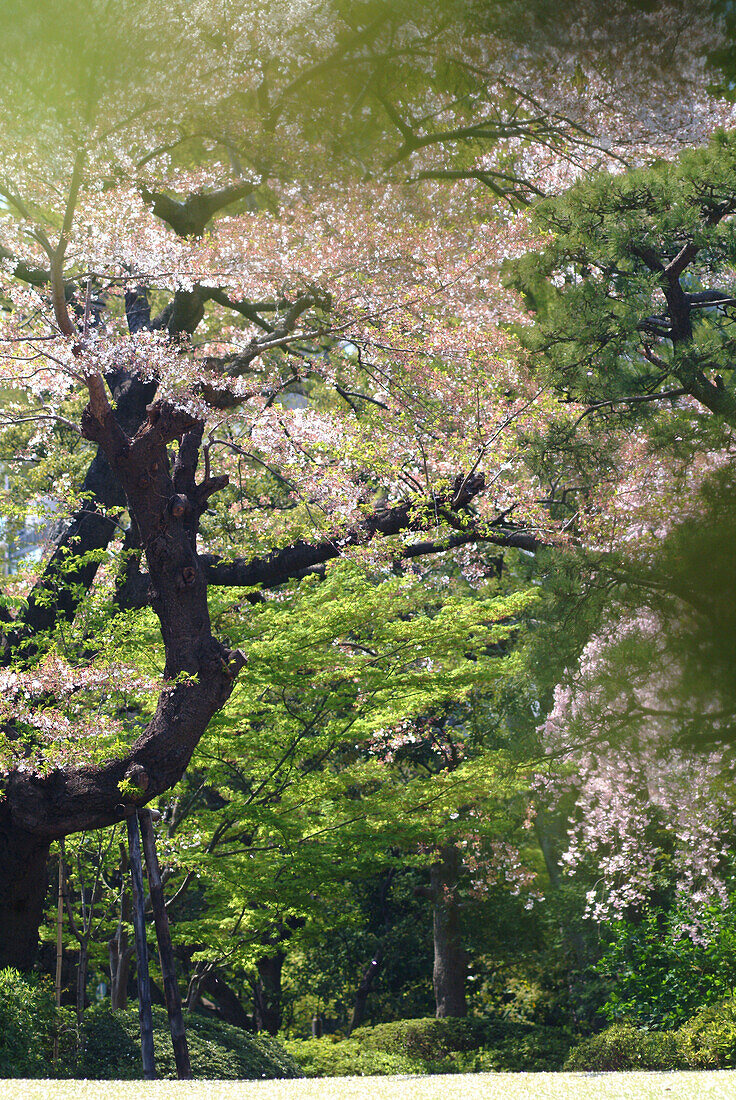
(28, 1021)
(508, 1044)
(346, 1058)
(217, 1051)
(626, 1047)
(708, 1040)
(434, 1046)
(659, 977)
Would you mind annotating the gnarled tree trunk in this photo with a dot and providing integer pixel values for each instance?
(166, 506)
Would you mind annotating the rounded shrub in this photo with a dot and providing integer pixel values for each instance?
(346, 1058)
(623, 1046)
(466, 1044)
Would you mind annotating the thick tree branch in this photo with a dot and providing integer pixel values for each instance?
(302, 558)
(189, 217)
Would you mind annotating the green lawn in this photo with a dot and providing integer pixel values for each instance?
(713, 1085)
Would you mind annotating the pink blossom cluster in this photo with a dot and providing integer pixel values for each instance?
(68, 712)
(643, 806)
(498, 862)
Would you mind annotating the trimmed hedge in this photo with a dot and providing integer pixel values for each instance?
(706, 1041)
(623, 1046)
(504, 1044)
(346, 1058)
(434, 1046)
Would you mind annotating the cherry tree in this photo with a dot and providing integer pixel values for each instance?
(333, 304)
(238, 272)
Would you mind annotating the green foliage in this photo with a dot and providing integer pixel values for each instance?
(436, 1046)
(346, 1058)
(110, 1049)
(659, 977)
(623, 1047)
(708, 1040)
(427, 1039)
(216, 1050)
(603, 335)
(337, 669)
(432, 1040)
(28, 1020)
(129, 790)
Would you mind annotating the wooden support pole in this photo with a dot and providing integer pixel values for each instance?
(59, 947)
(165, 949)
(144, 981)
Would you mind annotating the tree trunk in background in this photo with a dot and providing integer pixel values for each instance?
(120, 951)
(374, 966)
(228, 1006)
(364, 988)
(120, 955)
(165, 948)
(82, 963)
(267, 993)
(551, 838)
(450, 963)
(24, 880)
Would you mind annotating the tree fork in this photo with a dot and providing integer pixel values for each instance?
(88, 530)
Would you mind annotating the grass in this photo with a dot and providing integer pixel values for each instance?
(706, 1085)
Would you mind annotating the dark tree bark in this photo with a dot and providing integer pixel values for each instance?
(450, 962)
(141, 950)
(166, 506)
(267, 993)
(24, 878)
(37, 810)
(228, 1006)
(301, 558)
(66, 576)
(364, 987)
(56, 595)
(165, 949)
(373, 968)
(189, 217)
